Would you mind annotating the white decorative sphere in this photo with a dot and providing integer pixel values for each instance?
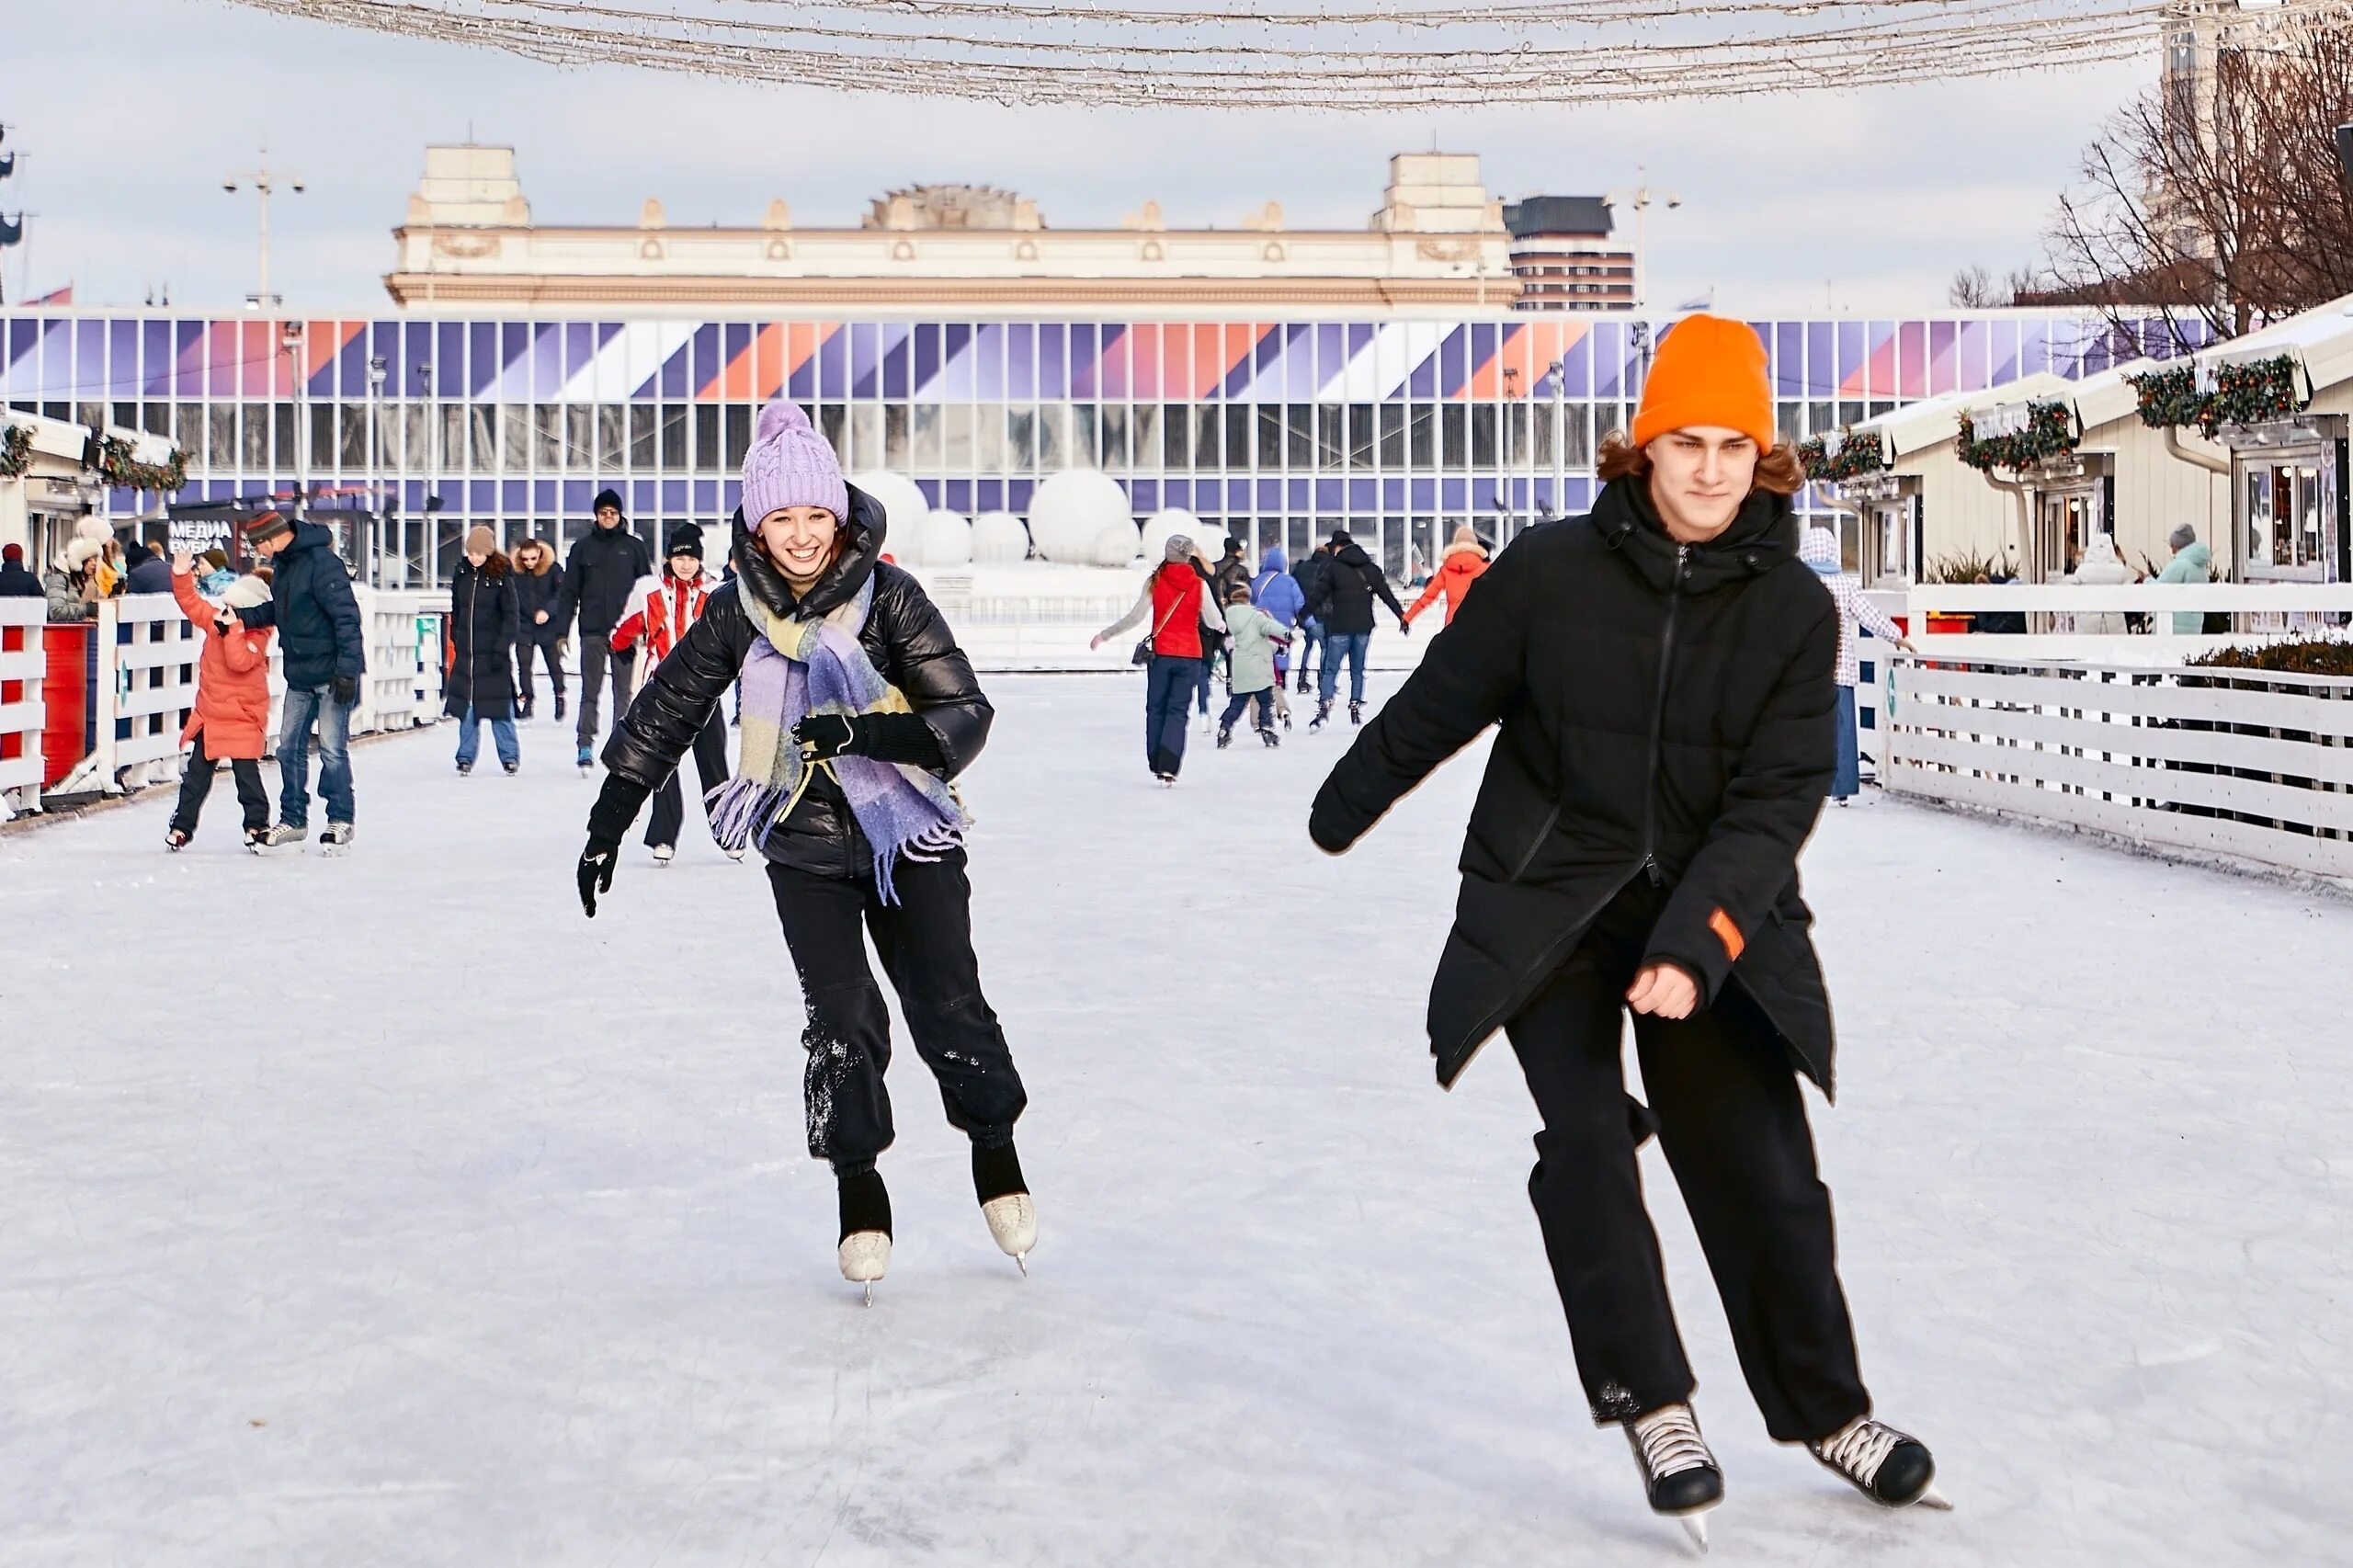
(1071, 512)
(1162, 525)
(903, 509)
(946, 540)
(1115, 545)
(999, 540)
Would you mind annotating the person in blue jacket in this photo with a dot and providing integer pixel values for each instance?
(1277, 592)
(323, 652)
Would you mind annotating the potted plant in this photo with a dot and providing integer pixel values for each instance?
(1961, 567)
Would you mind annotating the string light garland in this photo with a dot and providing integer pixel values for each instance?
(1044, 52)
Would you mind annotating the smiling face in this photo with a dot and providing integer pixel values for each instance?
(800, 543)
(684, 565)
(1699, 478)
(609, 516)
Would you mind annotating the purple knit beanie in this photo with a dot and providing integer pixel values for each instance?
(791, 465)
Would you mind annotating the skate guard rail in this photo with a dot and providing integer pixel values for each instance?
(2067, 621)
(22, 713)
(2249, 763)
(148, 654)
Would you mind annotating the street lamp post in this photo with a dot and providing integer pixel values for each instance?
(375, 563)
(1642, 197)
(264, 180)
(1559, 374)
(290, 337)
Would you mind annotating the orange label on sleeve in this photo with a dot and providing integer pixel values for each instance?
(1728, 934)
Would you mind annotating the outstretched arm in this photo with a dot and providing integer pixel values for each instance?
(1470, 674)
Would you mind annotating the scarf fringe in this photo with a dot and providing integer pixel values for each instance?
(925, 849)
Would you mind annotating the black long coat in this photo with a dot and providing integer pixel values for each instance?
(485, 623)
(1342, 597)
(1665, 712)
(604, 565)
(536, 591)
(904, 636)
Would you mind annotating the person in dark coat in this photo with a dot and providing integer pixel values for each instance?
(603, 567)
(322, 651)
(1309, 573)
(536, 583)
(1343, 602)
(1662, 672)
(148, 572)
(858, 709)
(485, 625)
(16, 583)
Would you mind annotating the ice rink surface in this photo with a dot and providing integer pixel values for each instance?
(385, 1211)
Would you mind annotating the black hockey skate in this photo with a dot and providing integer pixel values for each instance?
(1679, 1469)
(1356, 712)
(1322, 712)
(1224, 739)
(1269, 738)
(864, 1248)
(1893, 1469)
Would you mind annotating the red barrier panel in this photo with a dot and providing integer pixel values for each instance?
(65, 738)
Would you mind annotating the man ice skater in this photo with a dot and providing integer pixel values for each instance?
(1662, 672)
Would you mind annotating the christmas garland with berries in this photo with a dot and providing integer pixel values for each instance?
(2255, 393)
(15, 450)
(2051, 431)
(1858, 453)
(121, 469)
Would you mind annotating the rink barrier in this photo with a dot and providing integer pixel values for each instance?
(2255, 765)
(147, 656)
(23, 715)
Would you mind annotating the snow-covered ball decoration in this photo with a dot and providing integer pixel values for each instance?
(946, 540)
(1115, 545)
(999, 540)
(1071, 512)
(1161, 525)
(904, 505)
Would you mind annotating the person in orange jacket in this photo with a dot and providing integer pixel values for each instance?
(1465, 562)
(231, 722)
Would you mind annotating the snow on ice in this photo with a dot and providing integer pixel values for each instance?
(386, 1210)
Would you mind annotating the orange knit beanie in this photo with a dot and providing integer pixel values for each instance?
(1708, 371)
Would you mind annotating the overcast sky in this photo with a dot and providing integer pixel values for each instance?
(128, 112)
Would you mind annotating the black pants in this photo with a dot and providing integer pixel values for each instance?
(1169, 684)
(1734, 1134)
(523, 667)
(925, 943)
(597, 656)
(1240, 701)
(197, 783)
(711, 764)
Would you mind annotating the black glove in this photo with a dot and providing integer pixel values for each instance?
(1404, 626)
(595, 872)
(823, 735)
(347, 690)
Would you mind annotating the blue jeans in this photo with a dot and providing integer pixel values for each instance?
(1310, 635)
(1353, 646)
(1167, 702)
(302, 706)
(1847, 778)
(1240, 703)
(502, 732)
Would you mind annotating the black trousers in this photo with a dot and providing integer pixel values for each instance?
(523, 667)
(197, 783)
(597, 656)
(1734, 1134)
(925, 944)
(710, 765)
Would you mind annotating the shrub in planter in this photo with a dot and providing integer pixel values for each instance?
(2307, 656)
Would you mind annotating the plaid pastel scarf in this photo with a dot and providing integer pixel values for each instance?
(800, 667)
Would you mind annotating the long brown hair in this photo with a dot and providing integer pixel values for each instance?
(1777, 471)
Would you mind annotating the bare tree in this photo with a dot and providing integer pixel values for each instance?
(2217, 199)
(1974, 290)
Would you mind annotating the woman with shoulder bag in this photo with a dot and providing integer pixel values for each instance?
(1176, 600)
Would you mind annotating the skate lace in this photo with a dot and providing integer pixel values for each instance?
(1670, 1443)
(1861, 1449)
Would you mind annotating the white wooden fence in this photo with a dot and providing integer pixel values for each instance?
(146, 678)
(2250, 763)
(2064, 622)
(22, 713)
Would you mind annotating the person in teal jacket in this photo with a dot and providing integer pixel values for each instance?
(2192, 562)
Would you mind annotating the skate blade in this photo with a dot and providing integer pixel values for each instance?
(1696, 1527)
(1021, 1261)
(1931, 1498)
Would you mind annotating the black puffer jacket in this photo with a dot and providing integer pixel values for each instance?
(1342, 597)
(904, 637)
(484, 625)
(1664, 714)
(310, 602)
(604, 565)
(534, 592)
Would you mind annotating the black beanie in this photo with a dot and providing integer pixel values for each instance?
(685, 540)
(608, 498)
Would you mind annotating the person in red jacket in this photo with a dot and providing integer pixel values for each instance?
(658, 613)
(1465, 560)
(231, 722)
(1176, 599)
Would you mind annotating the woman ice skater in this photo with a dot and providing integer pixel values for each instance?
(1662, 674)
(859, 708)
